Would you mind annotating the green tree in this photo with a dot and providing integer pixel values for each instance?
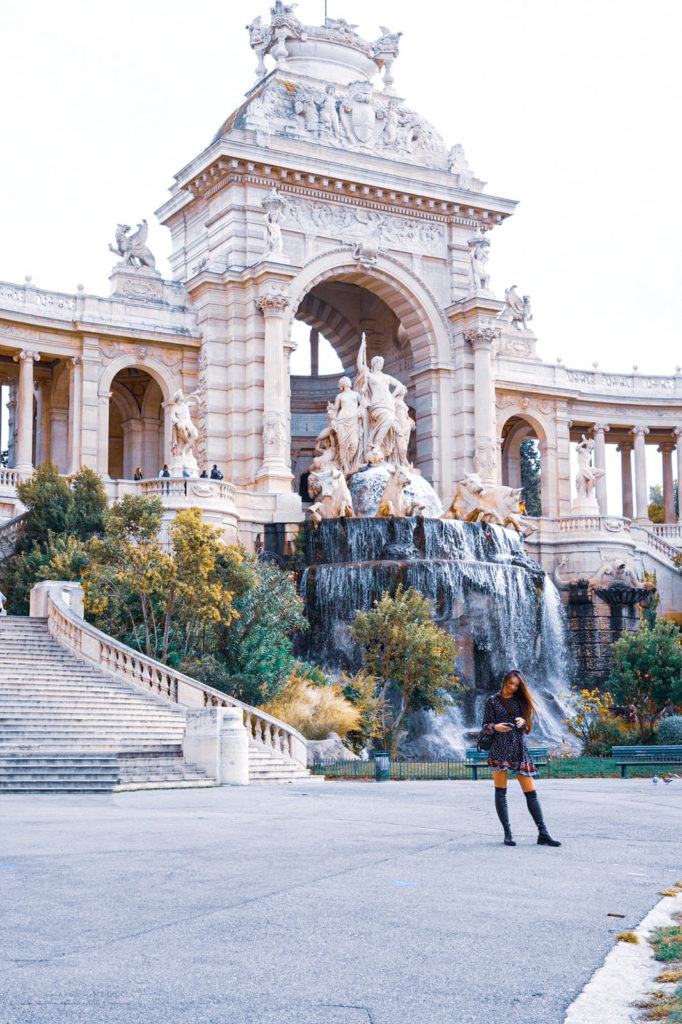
(530, 476)
(656, 507)
(254, 651)
(162, 598)
(60, 515)
(411, 658)
(49, 502)
(647, 671)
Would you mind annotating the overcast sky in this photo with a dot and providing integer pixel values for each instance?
(573, 108)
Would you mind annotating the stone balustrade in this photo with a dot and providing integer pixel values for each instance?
(590, 524)
(90, 644)
(669, 531)
(9, 478)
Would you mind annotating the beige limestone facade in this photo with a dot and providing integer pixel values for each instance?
(325, 199)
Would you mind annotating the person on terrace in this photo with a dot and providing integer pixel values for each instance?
(507, 717)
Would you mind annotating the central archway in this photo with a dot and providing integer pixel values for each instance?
(343, 298)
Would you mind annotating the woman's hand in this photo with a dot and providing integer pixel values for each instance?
(520, 723)
(503, 727)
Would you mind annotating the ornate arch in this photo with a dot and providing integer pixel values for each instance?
(418, 310)
(167, 379)
(331, 322)
(542, 422)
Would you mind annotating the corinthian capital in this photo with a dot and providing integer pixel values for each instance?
(273, 304)
(482, 337)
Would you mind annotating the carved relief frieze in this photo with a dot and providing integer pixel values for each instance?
(352, 222)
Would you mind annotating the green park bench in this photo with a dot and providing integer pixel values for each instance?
(660, 755)
(475, 758)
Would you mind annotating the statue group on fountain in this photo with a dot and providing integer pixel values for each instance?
(369, 425)
(368, 422)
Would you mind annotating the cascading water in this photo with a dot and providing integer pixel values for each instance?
(501, 607)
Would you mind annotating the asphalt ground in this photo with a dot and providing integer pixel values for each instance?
(345, 903)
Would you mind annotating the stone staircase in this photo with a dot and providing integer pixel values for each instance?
(67, 726)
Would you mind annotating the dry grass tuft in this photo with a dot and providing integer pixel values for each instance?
(670, 975)
(674, 890)
(314, 710)
(627, 937)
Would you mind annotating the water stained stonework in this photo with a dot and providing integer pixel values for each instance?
(499, 605)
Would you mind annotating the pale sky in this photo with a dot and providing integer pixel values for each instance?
(571, 108)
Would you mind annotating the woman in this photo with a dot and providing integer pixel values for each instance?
(507, 718)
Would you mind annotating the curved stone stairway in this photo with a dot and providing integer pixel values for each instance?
(67, 726)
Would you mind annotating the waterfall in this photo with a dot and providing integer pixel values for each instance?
(500, 606)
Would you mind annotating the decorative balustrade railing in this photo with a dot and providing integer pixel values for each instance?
(9, 478)
(660, 546)
(592, 524)
(74, 633)
(9, 536)
(163, 487)
(669, 531)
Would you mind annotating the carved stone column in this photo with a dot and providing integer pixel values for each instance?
(625, 449)
(275, 471)
(678, 434)
(12, 425)
(482, 340)
(75, 413)
(314, 352)
(598, 431)
(102, 464)
(641, 489)
(38, 438)
(24, 446)
(666, 449)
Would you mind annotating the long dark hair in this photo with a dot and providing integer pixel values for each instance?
(523, 695)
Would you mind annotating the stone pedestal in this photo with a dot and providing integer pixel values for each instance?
(136, 283)
(216, 741)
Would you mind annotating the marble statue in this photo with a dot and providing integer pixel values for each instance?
(458, 165)
(517, 309)
(329, 116)
(619, 571)
(476, 502)
(272, 205)
(326, 451)
(403, 425)
(133, 248)
(479, 248)
(184, 434)
(587, 475)
(378, 392)
(306, 108)
(394, 502)
(348, 426)
(332, 497)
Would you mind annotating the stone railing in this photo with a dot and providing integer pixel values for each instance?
(189, 487)
(669, 531)
(590, 524)
(63, 607)
(10, 477)
(9, 536)
(660, 546)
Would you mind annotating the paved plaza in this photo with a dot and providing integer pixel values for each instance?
(345, 903)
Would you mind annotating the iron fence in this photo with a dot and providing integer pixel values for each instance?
(556, 768)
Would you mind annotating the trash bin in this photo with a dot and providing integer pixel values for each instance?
(382, 765)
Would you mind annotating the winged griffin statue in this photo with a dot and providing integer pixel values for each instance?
(133, 248)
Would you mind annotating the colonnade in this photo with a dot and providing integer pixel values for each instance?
(636, 505)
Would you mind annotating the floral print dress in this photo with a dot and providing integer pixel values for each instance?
(509, 751)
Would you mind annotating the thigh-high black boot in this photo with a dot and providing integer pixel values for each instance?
(544, 838)
(503, 814)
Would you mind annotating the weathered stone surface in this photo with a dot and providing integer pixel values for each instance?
(331, 749)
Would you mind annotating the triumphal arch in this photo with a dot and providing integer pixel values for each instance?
(325, 199)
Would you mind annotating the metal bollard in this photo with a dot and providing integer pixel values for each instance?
(382, 765)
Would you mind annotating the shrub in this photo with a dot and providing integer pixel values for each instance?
(670, 730)
(647, 671)
(593, 721)
(312, 709)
